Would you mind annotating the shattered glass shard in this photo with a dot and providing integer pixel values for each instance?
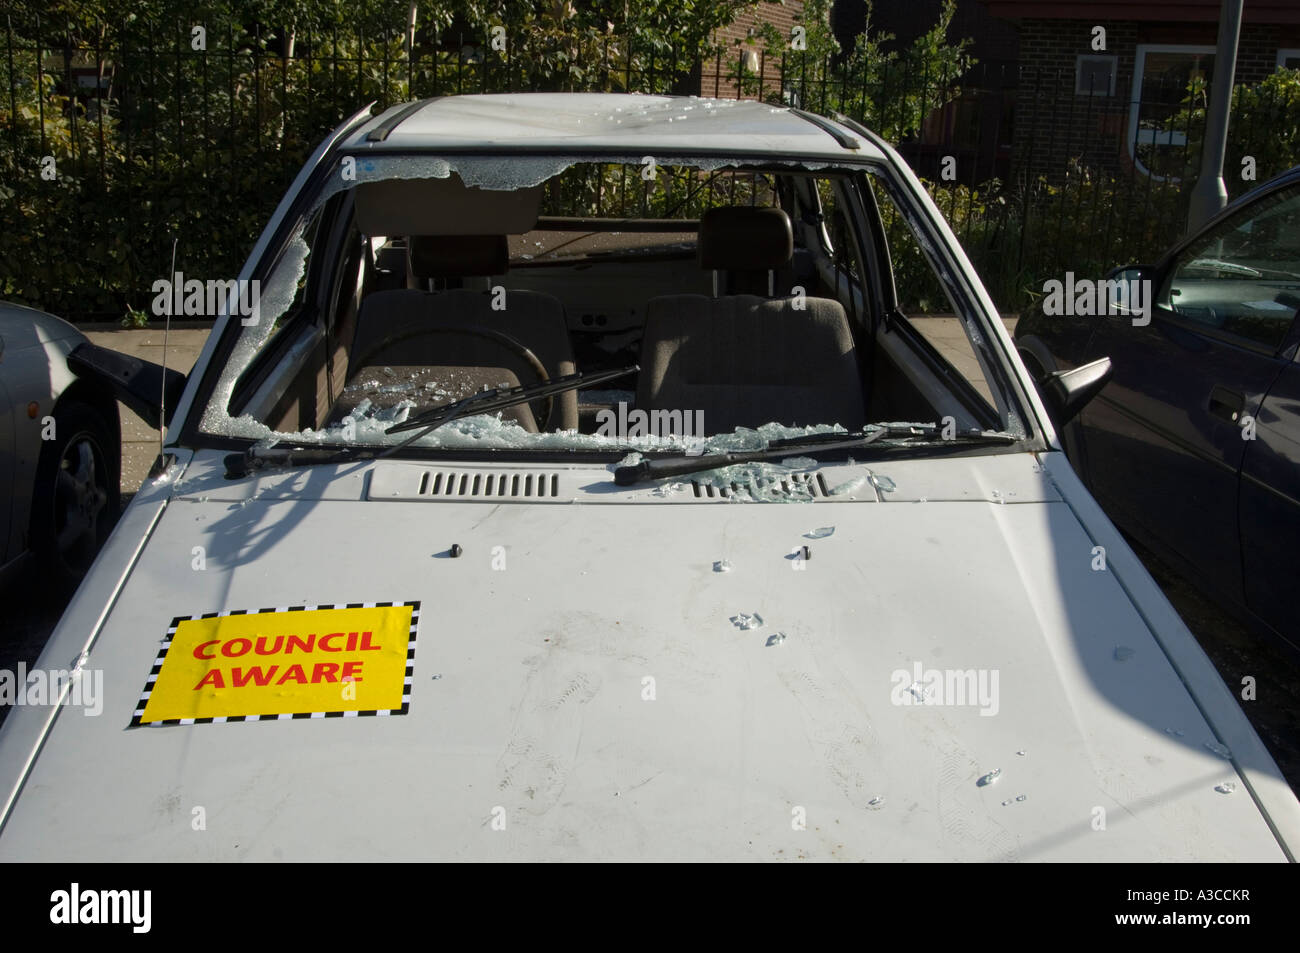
(1221, 750)
(849, 486)
(883, 483)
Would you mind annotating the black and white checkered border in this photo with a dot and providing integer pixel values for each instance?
(288, 716)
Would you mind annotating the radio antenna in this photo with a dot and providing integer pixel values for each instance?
(162, 390)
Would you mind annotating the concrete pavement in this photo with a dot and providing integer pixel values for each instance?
(139, 440)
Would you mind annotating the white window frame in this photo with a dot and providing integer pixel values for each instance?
(1173, 137)
(1284, 55)
(1078, 73)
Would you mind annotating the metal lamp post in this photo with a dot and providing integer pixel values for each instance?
(1210, 194)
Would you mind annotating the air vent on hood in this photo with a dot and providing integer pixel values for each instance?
(798, 484)
(398, 482)
(479, 483)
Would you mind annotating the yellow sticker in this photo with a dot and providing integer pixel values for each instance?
(297, 662)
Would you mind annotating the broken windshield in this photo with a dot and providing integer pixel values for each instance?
(420, 281)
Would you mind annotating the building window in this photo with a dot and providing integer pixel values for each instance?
(1288, 59)
(1094, 75)
(1159, 114)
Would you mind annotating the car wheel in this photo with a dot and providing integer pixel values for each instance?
(76, 498)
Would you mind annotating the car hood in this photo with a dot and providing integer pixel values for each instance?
(584, 686)
(22, 327)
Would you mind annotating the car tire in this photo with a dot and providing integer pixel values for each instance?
(76, 498)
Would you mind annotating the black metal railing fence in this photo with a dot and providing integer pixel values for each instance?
(117, 139)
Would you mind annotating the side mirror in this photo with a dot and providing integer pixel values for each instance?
(1067, 392)
(1130, 290)
(138, 384)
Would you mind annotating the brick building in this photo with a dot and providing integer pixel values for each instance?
(741, 41)
(1121, 109)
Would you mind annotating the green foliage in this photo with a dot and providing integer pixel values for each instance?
(199, 145)
(1264, 125)
(617, 190)
(1088, 224)
(135, 318)
(184, 144)
(890, 90)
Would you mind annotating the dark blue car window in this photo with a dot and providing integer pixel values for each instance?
(1243, 277)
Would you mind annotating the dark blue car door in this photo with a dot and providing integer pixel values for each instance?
(1270, 508)
(1165, 441)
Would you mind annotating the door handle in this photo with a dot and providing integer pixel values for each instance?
(1226, 404)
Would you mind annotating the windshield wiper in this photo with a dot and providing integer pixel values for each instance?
(258, 458)
(915, 434)
(483, 402)
(499, 398)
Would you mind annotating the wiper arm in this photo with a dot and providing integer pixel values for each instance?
(662, 467)
(1228, 267)
(499, 398)
(933, 433)
(259, 458)
(676, 466)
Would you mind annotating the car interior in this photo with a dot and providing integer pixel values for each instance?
(743, 295)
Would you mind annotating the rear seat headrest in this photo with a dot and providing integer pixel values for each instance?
(745, 238)
(458, 256)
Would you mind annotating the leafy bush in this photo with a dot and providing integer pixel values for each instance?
(1264, 126)
(199, 145)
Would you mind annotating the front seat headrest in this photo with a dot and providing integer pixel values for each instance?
(458, 256)
(745, 238)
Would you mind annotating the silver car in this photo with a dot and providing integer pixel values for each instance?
(603, 476)
(60, 453)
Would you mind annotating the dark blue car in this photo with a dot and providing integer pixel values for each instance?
(1193, 446)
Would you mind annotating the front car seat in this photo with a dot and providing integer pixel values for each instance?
(746, 359)
(459, 332)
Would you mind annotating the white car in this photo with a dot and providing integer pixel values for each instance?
(580, 479)
(60, 453)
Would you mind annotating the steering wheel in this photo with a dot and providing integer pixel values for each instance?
(492, 334)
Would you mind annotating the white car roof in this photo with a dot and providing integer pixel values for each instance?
(633, 123)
